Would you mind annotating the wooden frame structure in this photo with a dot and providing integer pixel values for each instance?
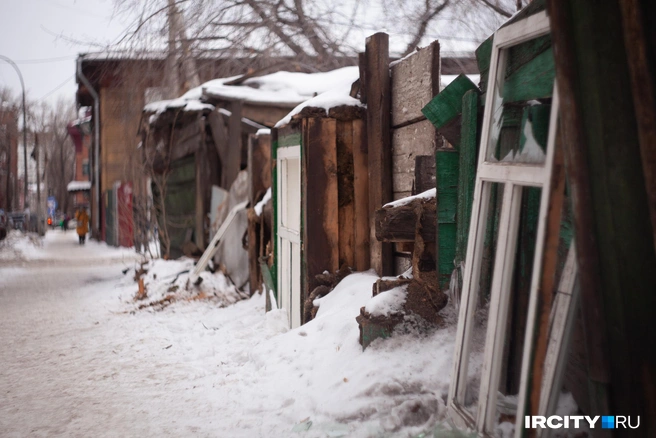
(514, 175)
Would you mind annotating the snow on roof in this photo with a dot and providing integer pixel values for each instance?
(282, 88)
(338, 96)
(180, 103)
(75, 186)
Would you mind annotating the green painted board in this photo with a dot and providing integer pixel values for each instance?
(467, 171)
(447, 105)
(533, 80)
(446, 173)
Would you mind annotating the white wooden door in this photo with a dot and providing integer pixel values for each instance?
(289, 232)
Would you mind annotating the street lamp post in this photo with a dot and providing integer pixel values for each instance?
(20, 76)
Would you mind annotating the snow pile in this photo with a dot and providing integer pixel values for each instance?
(19, 246)
(167, 281)
(315, 380)
(428, 194)
(59, 247)
(387, 303)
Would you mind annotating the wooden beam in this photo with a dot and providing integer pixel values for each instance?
(377, 90)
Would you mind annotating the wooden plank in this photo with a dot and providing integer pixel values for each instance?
(399, 223)
(642, 67)
(361, 197)
(377, 90)
(220, 137)
(446, 164)
(424, 173)
(447, 105)
(321, 225)
(467, 171)
(415, 80)
(417, 139)
(533, 80)
(259, 165)
(409, 142)
(603, 148)
(345, 193)
(403, 182)
(547, 282)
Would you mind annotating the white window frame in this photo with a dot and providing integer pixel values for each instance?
(289, 242)
(514, 176)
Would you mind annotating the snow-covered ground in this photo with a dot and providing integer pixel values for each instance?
(78, 359)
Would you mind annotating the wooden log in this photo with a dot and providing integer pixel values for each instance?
(377, 90)
(399, 223)
(415, 80)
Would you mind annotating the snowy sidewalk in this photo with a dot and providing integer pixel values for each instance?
(76, 362)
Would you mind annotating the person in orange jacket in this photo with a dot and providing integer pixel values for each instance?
(82, 218)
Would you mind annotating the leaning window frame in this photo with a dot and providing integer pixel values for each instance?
(514, 176)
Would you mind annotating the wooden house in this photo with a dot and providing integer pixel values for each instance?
(213, 123)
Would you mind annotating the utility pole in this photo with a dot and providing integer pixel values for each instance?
(37, 151)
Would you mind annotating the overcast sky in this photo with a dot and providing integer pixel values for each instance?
(31, 35)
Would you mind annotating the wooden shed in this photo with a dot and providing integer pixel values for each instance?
(321, 198)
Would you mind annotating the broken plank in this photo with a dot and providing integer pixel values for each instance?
(415, 80)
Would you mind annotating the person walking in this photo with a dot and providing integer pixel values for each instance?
(82, 224)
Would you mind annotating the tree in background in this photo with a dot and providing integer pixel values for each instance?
(318, 32)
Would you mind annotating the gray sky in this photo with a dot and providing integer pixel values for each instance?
(30, 31)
